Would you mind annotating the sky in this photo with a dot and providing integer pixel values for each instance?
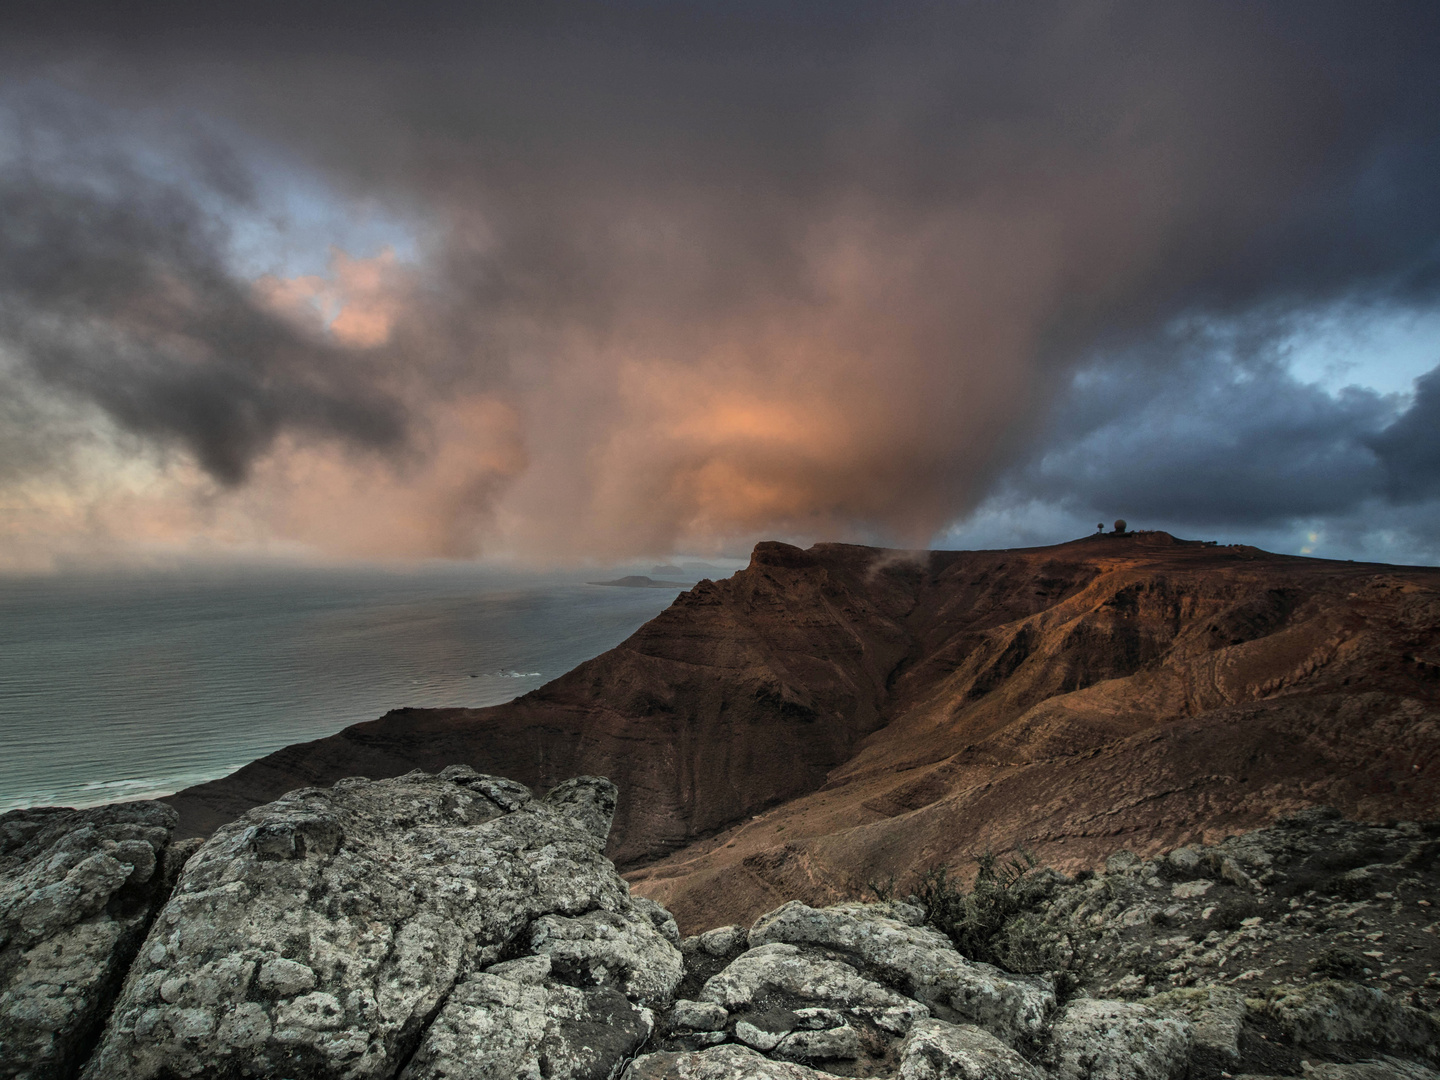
(564, 282)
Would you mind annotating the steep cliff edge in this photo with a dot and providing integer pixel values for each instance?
(742, 694)
(840, 713)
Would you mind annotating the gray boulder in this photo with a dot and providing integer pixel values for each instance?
(1326, 1013)
(841, 1042)
(1216, 1015)
(78, 890)
(935, 1050)
(917, 961)
(320, 936)
(492, 1027)
(607, 948)
(723, 941)
(660, 918)
(1118, 1040)
(699, 1016)
(760, 1037)
(587, 804)
(718, 1063)
(787, 971)
(1185, 862)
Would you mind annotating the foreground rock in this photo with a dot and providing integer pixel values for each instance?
(425, 926)
(1269, 914)
(1119, 1040)
(1310, 948)
(936, 1050)
(852, 990)
(721, 1063)
(919, 960)
(78, 890)
(454, 927)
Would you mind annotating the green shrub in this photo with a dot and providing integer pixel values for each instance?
(1027, 945)
(979, 921)
(882, 889)
(1337, 963)
(1231, 914)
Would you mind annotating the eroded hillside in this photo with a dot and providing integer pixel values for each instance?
(840, 713)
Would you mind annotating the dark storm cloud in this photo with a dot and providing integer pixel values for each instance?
(1410, 447)
(114, 289)
(1226, 434)
(1208, 443)
(896, 231)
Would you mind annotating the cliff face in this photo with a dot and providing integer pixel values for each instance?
(742, 694)
(831, 715)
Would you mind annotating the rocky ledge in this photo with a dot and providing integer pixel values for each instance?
(455, 926)
(78, 891)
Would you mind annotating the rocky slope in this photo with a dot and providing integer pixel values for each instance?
(841, 713)
(78, 890)
(455, 926)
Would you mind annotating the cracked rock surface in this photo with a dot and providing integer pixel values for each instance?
(936, 1050)
(78, 889)
(1306, 950)
(1312, 897)
(849, 990)
(497, 1025)
(917, 960)
(720, 1063)
(1119, 1040)
(454, 927)
(364, 930)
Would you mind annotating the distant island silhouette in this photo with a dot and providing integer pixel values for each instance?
(640, 581)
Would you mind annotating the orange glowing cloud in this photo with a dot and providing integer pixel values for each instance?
(357, 305)
(305, 499)
(438, 502)
(863, 400)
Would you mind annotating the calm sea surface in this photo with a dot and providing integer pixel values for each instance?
(123, 687)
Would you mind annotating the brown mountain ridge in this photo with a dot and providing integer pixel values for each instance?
(839, 714)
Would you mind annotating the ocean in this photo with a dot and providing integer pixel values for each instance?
(136, 685)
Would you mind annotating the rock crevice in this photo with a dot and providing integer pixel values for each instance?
(79, 890)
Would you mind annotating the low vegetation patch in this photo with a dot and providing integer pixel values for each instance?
(993, 921)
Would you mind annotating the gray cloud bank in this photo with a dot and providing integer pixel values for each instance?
(1226, 441)
(817, 269)
(113, 289)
